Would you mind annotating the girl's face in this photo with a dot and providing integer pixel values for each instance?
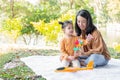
(82, 22)
(68, 29)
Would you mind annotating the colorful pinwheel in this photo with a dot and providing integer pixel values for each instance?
(78, 44)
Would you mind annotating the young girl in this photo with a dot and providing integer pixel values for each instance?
(67, 44)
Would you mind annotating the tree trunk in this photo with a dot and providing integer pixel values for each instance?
(71, 3)
(12, 8)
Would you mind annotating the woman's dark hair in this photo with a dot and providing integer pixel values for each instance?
(65, 23)
(90, 26)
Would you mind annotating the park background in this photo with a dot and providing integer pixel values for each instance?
(31, 26)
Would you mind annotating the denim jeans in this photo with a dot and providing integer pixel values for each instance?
(99, 60)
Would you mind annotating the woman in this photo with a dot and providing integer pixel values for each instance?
(95, 50)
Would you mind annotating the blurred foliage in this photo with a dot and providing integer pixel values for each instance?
(100, 9)
(117, 48)
(12, 27)
(114, 53)
(113, 8)
(44, 12)
(49, 11)
(52, 29)
(86, 4)
(70, 15)
(49, 30)
(14, 7)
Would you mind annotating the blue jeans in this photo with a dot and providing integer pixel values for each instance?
(99, 60)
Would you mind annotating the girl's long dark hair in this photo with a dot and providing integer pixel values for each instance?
(90, 26)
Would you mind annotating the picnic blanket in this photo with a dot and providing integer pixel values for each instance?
(45, 66)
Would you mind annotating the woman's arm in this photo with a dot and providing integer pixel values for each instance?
(97, 44)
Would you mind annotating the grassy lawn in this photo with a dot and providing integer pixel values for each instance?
(22, 72)
(114, 54)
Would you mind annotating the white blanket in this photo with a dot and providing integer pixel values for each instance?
(45, 66)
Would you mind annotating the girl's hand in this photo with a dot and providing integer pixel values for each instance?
(76, 53)
(71, 58)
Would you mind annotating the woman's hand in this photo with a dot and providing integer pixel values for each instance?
(89, 37)
(78, 53)
(87, 53)
(82, 53)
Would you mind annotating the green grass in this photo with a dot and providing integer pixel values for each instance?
(17, 72)
(114, 54)
(21, 72)
(6, 58)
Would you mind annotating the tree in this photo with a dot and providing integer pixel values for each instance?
(113, 7)
(12, 27)
(44, 11)
(14, 11)
(100, 10)
(12, 8)
(85, 4)
(52, 29)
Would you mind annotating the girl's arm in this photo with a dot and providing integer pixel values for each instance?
(64, 54)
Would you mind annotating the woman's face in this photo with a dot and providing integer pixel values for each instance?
(82, 22)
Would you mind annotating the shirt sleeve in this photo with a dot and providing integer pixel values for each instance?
(62, 48)
(97, 44)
